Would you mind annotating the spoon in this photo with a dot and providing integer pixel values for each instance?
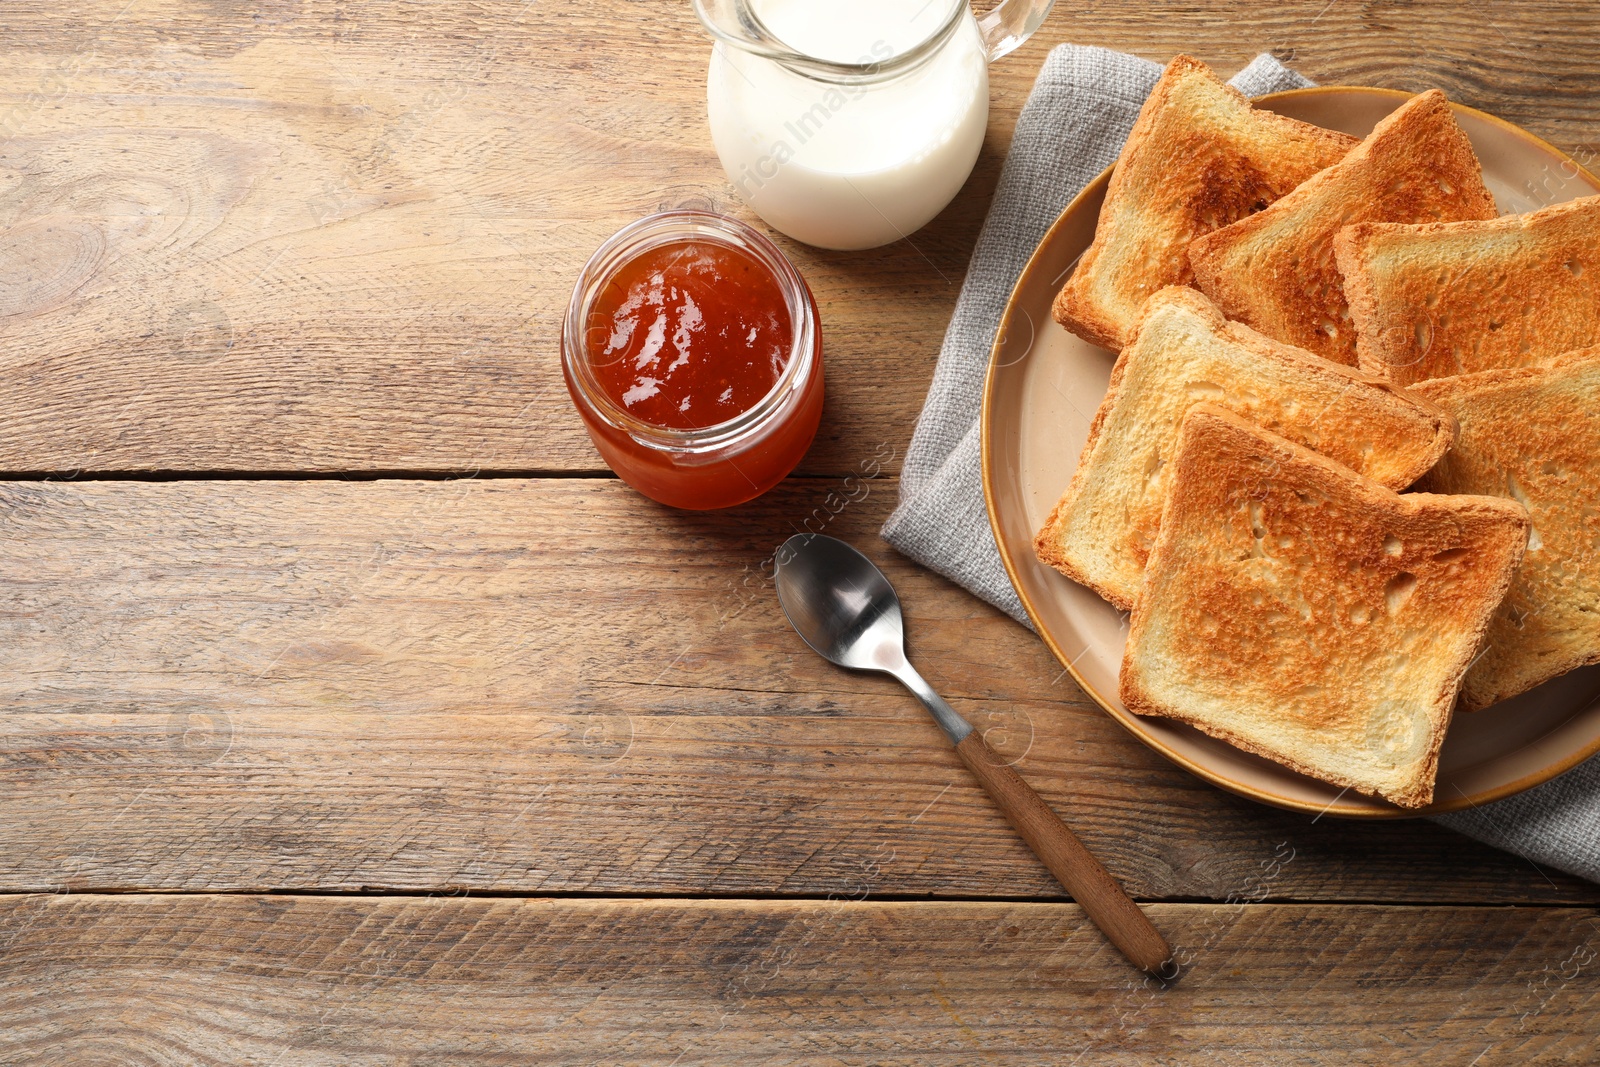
(841, 604)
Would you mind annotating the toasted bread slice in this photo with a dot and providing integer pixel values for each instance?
(1444, 298)
(1533, 434)
(1309, 615)
(1184, 352)
(1199, 157)
(1275, 270)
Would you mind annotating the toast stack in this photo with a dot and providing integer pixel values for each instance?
(1276, 270)
(1372, 328)
(1182, 353)
(1533, 435)
(1447, 298)
(1305, 613)
(1199, 157)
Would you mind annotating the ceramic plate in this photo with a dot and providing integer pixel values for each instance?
(1043, 387)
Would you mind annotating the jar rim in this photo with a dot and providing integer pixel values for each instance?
(653, 231)
(754, 36)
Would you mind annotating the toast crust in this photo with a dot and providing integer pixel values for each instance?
(1445, 298)
(1533, 434)
(1182, 352)
(1275, 270)
(1199, 157)
(1308, 615)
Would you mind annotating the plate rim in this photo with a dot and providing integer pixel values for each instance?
(1127, 720)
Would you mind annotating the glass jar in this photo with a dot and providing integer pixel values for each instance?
(731, 461)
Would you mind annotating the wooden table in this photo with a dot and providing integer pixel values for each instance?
(356, 715)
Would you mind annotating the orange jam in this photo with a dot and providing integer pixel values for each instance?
(689, 334)
(693, 353)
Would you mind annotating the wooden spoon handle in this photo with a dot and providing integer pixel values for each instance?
(1090, 884)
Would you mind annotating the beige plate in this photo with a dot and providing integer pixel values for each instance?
(1043, 387)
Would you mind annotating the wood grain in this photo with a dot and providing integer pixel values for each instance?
(151, 980)
(553, 685)
(339, 235)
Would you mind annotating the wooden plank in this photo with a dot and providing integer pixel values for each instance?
(546, 686)
(359, 230)
(341, 236)
(302, 981)
(1521, 62)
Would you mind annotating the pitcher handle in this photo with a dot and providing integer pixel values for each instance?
(1010, 23)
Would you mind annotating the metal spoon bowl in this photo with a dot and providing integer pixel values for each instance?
(845, 609)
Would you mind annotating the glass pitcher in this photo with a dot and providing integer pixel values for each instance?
(852, 123)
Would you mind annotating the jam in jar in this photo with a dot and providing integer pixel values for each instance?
(693, 352)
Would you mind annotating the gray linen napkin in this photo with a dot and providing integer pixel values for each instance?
(1079, 113)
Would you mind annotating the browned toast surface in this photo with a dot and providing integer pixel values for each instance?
(1438, 299)
(1182, 353)
(1276, 269)
(1533, 434)
(1309, 615)
(1199, 157)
